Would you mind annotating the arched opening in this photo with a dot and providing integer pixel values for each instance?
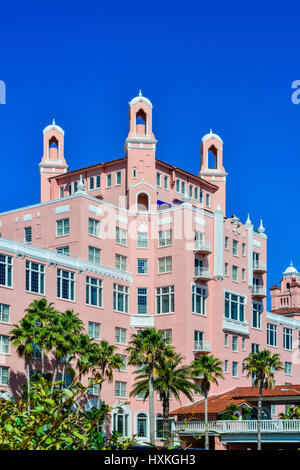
(141, 123)
(212, 158)
(53, 149)
(121, 423)
(142, 202)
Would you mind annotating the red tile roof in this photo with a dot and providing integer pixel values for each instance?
(287, 311)
(238, 395)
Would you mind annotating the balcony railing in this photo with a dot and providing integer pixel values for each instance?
(259, 266)
(235, 326)
(258, 291)
(202, 246)
(238, 427)
(200, 346)
(202, 273)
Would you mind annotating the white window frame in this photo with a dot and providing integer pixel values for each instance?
(63, 227)
(94, 284)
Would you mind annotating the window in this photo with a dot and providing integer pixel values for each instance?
(65, 284)
(120, 389)
(164, 300)
(36, 352)
(94, 330)
(198, 266)
(4, 313)
(234, 369)
(75, 186)
(134, 173)
(234, 306)
(234, 343)
(124, 363)
(254, 348)
(271, 334)
(235, 247)
(288, 339)
(91, 182)
(94, 389)
(243, 249)
(198, 340)
(158, 179)
(94, 291)
(108, 181)
(226, 269)
(234, 273)
(208, 200)
(120, 422)
(167, 334)
(62, 227)
(166, 183)
(273, 410)
(120, 298)
(199, 300)
(142, 266)
(142, 239)
(196, 194)
(141, 425)
(120, 335)
(243, 274)
(35, 277)
(4, 375)
(98, 181)
(4, 344)
(226, 243)
(165, 238)
(257, 309)
(121, 236)
(183, 189)
(201, 197)
(70, 189)
(27, 234)
(61, 192)
(178, 186)
(94, 227)
(165, 264)
(121, 262)
(118, 177)
(191, 190)
(226, 340)
(94, 255)
(243, 344)
(142, 300)
(226, 366)
(288, 368)
(63, 250)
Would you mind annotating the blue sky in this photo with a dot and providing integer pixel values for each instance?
(228, 66)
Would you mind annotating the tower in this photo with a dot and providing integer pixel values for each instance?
(140, 148)
(211, 167)
(53, 161)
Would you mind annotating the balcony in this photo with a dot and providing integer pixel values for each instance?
(270, 426)
(201, 273)
(235, 326)
(259, 266)
(200, 346)
(202, 247)
(258, 291)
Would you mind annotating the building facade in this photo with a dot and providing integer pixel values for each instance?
(134, 243)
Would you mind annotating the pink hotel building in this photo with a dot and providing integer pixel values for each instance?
(136, 242)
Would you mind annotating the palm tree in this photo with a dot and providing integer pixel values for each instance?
(208, 368)
(148, 347)
(262, 366)
(170, 378)
(41, 313)
(22, 337)
(292, 413)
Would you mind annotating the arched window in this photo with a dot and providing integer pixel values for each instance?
(287, 286)
(142, 202)
(91, 182)
(191, 191)
(53, 149)
(196, 194)
(141, 425)
(134, 172)
(178, 186)
(183, 187)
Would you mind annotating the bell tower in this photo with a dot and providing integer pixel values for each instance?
(53, 161)
(211, 168)
(140, 146)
